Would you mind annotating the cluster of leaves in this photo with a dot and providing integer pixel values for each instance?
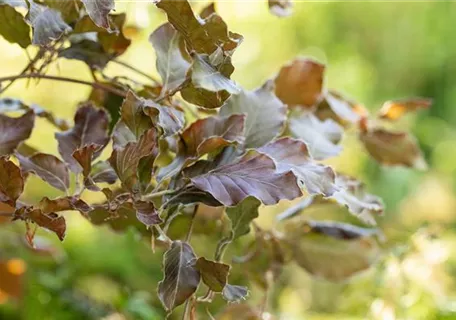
(167, 157)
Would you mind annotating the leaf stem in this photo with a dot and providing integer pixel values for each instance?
(222, 246)
(163, 234)
(96, 85)
(158, 194)
(132, 68)
(192, 222)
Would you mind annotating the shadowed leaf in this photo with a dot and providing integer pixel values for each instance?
(47, 167)
(250, 176)
(338, 230)
(47, 24)
(214, 274)
(98, 11)
(281, 8)
(88, 51)
(300, 82)
(393, 148)
(169, 119)
(321, 137)
(90, 127)
(114, 43)
(147, 213)
(232, 293)
(15, 130)
(103, 172)
(242, 215)
(47, 205)
(393, 110)
(11, 182)
(172, 59)
(13, 27)
(290, 154)
(181, 277)
(265, 114)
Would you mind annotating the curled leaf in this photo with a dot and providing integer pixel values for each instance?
(214, 274)
(49, 221)
(14, 131)
(47, 205)
(181, 277)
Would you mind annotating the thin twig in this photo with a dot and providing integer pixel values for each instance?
(126, 65)
(192, 222)
(65, 79)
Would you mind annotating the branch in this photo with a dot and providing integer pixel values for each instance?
(126, 65)
(95, 85)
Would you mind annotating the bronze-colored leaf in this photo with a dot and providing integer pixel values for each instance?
(393, 110)
(14, 131)
(300, 82)
(47, 24)
(172, 59)
(103, 172)
(352, 193)
(98, 11)
(250, 176)
(11, 182)
(340, 109)
(291, 154)
(265, 114)
(114, 43)
(48, 167)
(49, 221)
(88, 51)
(181, 277)
(125, 161)
(47, 205)
(393, 148)
(214, 274)
(90, 127)
(321, 137)
(84, 158)
(281, 8)
(331, 252)
(13, 27)
(147, 213)
(232, 293)
(242, 215)
(133, 116)
(169, 119)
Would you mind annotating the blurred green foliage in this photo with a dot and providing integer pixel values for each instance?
(374, 51)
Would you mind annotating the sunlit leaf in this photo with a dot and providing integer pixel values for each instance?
(290, 154)
(393, 110)
(13, 27)
(98, 11)
(14, 130)
(281, 8)
(265, 114)
(300, 82)
(340, 109)
(172, 59)
(90, 127)
(242, 215)
(333, 252)
(47, 24)
(393, 148)
(48, 167)
(147, 213)
(47, 205)
(11, 182)
(181, 277)
(250, 176)
(214, 274)
(232, 293)
(321, 137)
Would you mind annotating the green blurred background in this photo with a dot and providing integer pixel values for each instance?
(374, 51)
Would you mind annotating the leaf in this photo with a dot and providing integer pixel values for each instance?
(352, 194)
(14, 130)
(13, 27)
(103, 172)
(125, 161)
(84, 157)
(147, 213)
(331, 252)
(250, 176)
(98, 11)
(181, 277)
(393, 110)
(133, 116)
(47, 167)
(47, 205)
(232, 293)
(242, 215)
(205, 76)
(393, 148)
(114, 43)
(47, 24)
(169, 119)
(340, 109)
(321, 137)
(280, 8)
(11, 182)
(88, 51)
(50, 221)
(214, 274)
(300, 82)
(172, 59)
(90, 127)
(291, 154)
(266, 114)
